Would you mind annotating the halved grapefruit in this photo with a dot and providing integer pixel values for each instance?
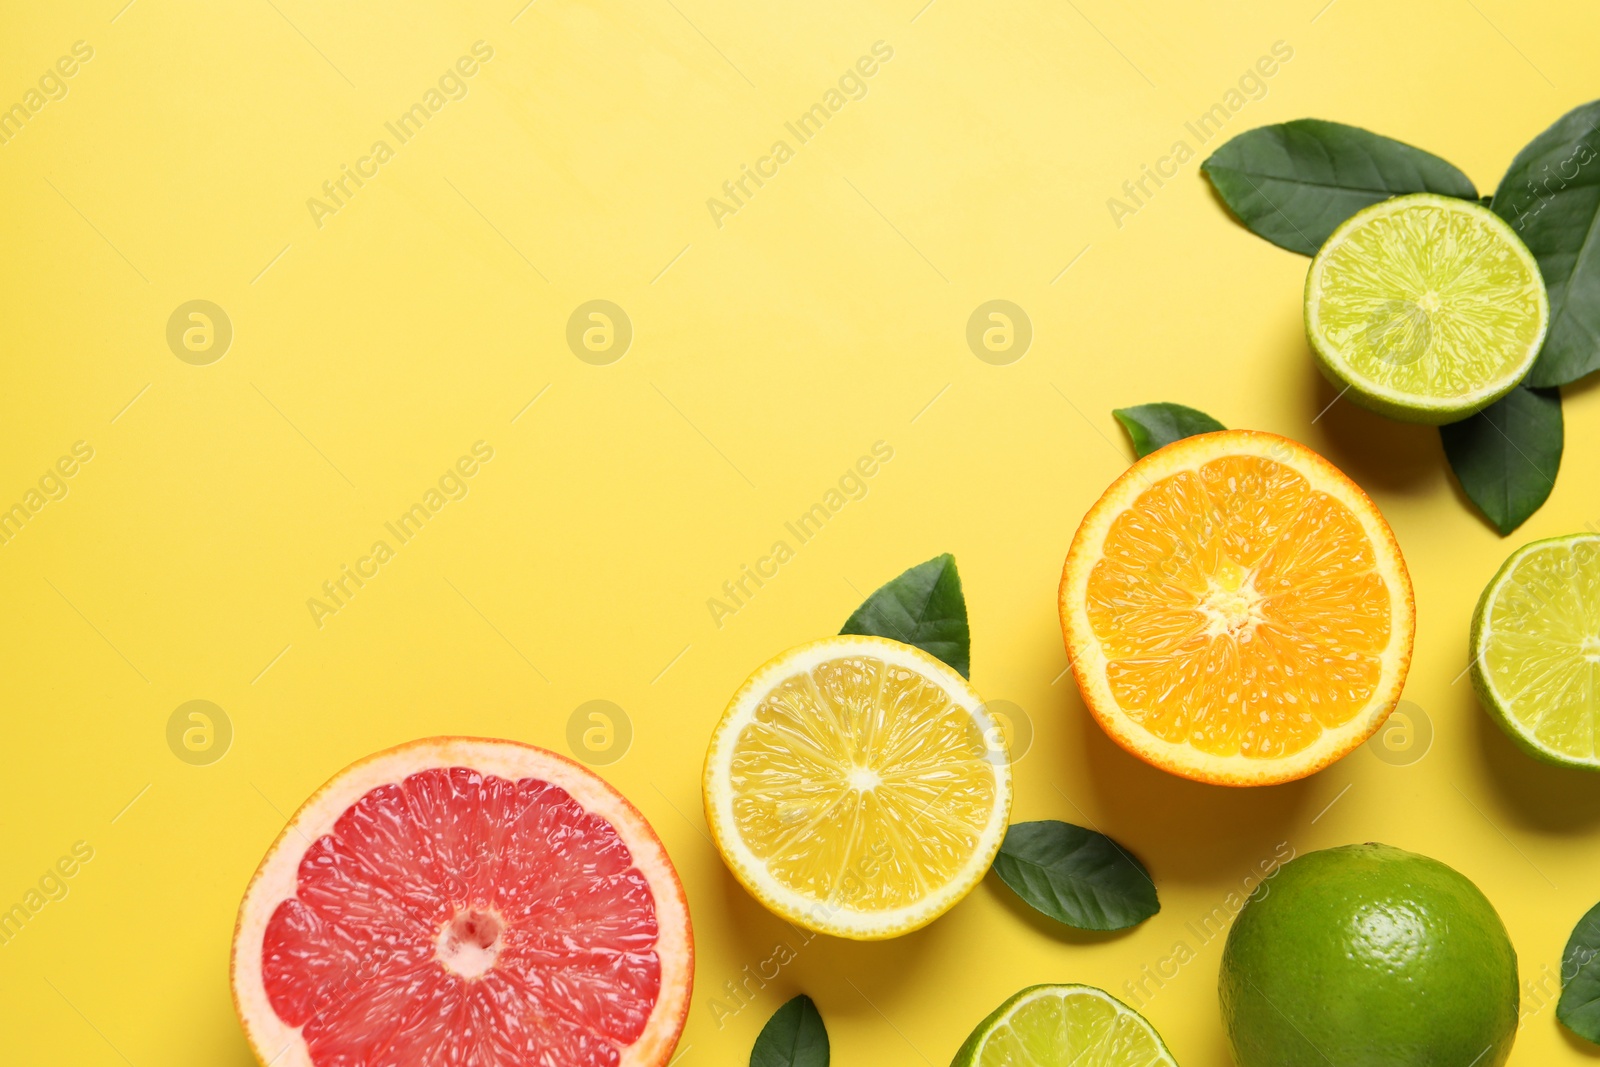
(464, 902)
(1237, 611)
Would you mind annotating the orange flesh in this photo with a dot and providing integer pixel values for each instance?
(1240, 610)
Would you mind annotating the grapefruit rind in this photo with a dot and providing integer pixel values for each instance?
(1089, 662)
(277, 1044)
(806, 911)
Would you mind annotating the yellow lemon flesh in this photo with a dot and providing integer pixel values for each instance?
(856, 786)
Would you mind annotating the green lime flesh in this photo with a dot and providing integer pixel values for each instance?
(1536, 649)
(1045, 1025)
(1369, 956)
(1425, 308)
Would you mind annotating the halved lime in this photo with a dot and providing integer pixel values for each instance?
(1425, 308)
(1536, 649)
(1048, 1024)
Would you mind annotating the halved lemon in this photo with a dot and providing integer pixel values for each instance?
(856, 786)
(1236, 610)
(1425, 308)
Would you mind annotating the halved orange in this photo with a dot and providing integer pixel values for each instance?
(1237, 611)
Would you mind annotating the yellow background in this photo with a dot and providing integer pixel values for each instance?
(768, 354)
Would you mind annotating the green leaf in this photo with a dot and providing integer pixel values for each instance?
(1294, 183)
(1076, 876)
(1551, 197)
(1579, 1006)
(1507, 455)
(1152, 425)
(793, 1037)
(923, 607)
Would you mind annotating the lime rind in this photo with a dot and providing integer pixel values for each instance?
(1425, 308)
(1535, 649)
(1045, 1024)
(1364, 955)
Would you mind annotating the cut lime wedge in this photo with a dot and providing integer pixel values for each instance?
(1064, 1024)
(1536, 649)
(1425, 308)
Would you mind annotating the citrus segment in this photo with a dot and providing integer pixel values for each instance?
(1536, 649)
(1425, 307)
(464, 901)
(856, 786)
(1076, 1024)
(1237, 610)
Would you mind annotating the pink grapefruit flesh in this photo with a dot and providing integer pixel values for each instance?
(467, 903)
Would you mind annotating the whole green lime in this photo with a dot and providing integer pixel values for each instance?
(1369, 956)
